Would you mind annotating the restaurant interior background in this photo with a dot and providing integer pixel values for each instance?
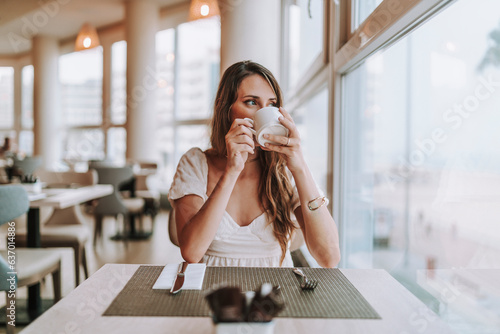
(397, 103)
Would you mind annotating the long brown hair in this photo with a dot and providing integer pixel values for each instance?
(276, 191)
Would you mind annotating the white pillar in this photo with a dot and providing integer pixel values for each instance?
(141, 21)
(46, 108)
(250, 30)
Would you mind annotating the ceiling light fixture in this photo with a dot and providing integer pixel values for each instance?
(87, 38)
(200, 9)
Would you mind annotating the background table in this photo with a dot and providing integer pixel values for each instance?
(81, 311)
(59, 199)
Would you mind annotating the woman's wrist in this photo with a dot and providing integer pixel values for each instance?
(230, 175)
(298, 169)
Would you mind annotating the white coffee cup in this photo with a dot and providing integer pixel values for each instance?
(266, 121)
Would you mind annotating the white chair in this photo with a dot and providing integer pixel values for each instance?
(27, 166)
(151, 197)
(32, 265)
(114, 204)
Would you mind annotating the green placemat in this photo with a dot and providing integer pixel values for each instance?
(335, 296)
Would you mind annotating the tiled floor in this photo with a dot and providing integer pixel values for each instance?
(156, 250)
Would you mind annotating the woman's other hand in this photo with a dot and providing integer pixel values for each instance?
(239, 143)
(288, 146)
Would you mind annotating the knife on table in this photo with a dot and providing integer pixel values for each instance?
(179, 279)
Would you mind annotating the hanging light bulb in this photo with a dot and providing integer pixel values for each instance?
(200, 9)
(87, 38)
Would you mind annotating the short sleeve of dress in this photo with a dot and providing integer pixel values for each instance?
(191, 176)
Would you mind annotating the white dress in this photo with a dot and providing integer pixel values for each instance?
(253, 245)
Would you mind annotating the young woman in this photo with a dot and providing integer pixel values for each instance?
(234, 203)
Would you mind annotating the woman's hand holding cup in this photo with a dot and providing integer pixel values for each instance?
(289, 145)
(239, 143)
(267, 121)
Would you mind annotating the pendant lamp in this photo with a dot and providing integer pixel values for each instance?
(200, 9)
(87, 38)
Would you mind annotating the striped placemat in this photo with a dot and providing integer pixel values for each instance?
(335, 296)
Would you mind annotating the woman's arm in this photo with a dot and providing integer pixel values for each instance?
(197, 222)
(318, 226)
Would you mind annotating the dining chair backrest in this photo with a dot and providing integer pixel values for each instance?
(68, 178)
(13, 203)
(148, 165)
(141, 182)
(116, 176)
(102, 163)
(27, 165)
(141, 164)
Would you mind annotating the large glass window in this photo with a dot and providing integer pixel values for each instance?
(80, 74)
(189, 136)
(6, 97)
(362, 9)
(306, 37)
(312, 122)
(26, 140)
(188, 62)
(198, 59)
(27, 97)
(119, 82)
(165, 69)
(117, 144)
(84, 145)
(421, 162)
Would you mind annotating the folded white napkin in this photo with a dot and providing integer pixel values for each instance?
(193, 279)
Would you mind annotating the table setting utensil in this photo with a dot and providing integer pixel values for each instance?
(306, 283)
(194, 274)
(179, 279)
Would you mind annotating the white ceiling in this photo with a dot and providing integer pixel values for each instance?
(21, 19)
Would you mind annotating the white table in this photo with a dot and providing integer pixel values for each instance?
(61, 198)
(58, 199)
(81, 311)
(470, 296)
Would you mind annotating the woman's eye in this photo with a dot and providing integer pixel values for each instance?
(250, 102)
(273, 104)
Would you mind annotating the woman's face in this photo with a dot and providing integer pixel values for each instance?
(254, 93)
